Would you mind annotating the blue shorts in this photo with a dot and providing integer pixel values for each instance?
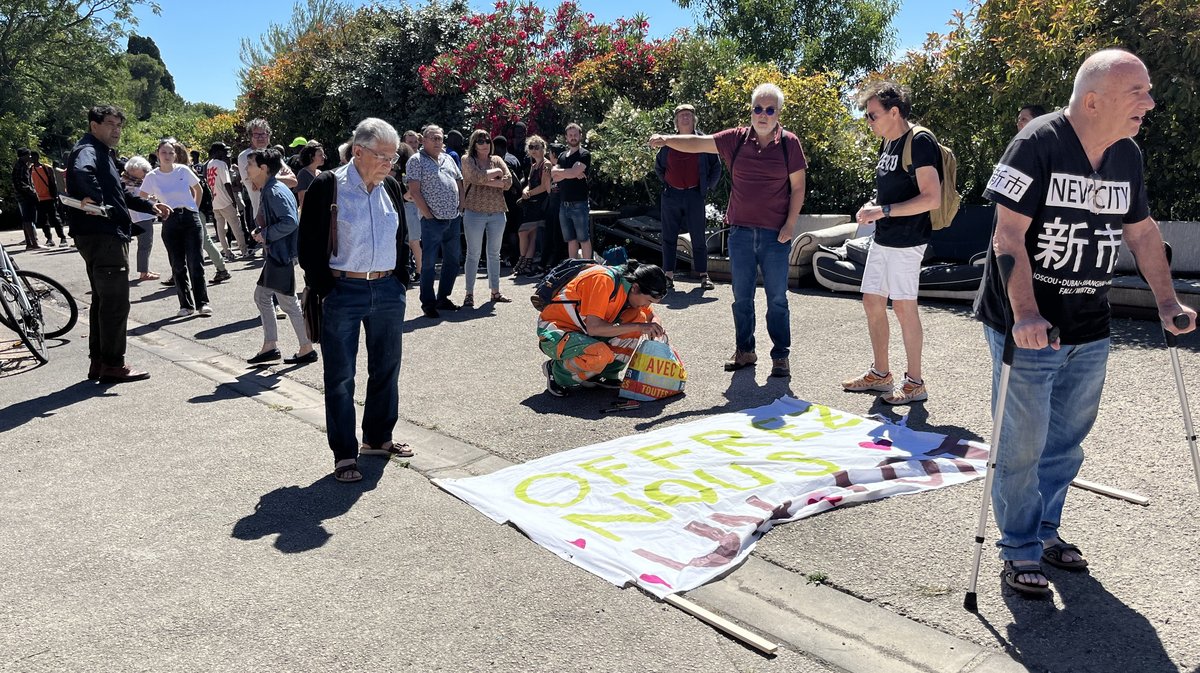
(574, 217)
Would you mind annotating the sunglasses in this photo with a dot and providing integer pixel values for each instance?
(769, 110)
(872, 116)
(483, 141)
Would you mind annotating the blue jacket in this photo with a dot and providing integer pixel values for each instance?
(710, 168)
(91, 172)
(282, 228)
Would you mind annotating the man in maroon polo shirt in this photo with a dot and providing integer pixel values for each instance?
(767, 166)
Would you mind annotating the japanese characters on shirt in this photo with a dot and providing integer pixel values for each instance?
(216, 173)
(1078, 215)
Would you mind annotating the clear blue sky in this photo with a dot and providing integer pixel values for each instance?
(200, 40)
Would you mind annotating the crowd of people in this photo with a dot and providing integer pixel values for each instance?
(354, 220)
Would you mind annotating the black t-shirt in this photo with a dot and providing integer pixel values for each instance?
(1078, 218)
(894, 185)
(575, 189)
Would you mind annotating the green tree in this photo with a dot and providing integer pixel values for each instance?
(281, 38)
(56, 59)
(848, 37)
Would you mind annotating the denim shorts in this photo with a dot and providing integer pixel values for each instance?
(574, 218)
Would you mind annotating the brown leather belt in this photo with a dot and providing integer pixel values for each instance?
(361, 275)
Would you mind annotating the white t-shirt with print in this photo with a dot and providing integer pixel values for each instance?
(216, 173)
(174, 188)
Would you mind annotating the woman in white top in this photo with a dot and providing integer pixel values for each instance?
(182, 233)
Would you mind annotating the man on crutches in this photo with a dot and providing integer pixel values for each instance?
(1067, 190)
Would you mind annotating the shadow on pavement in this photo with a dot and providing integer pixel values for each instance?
(1093, 631)
(160, 293)
(254, 380)
(296, 514)
(693, 297)
(230, 328)
(918, 419)
(1148, 334)
(45, 406)
(743, 392)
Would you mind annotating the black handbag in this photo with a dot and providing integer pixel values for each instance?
(311, 304)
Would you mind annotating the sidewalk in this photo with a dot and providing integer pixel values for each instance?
(473, 377)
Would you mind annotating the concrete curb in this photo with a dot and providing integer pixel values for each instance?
(839, 629)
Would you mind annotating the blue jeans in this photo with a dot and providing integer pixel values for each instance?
(475, 225)
(1052, 400)
(752, 249)
(443, 236)
(378, 305)
(575, 219)
(683, 209)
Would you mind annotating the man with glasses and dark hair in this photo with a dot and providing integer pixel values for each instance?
(767, 166)
(592, 327)
(361, 275)
(904, 195)
(1068, 190)
(435, 183)
(103, 240)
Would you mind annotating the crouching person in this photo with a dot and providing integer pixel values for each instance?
(590, 330)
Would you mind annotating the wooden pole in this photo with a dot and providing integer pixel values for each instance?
(746, 636)
(1111, 492)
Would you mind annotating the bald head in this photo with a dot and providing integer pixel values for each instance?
(1101, 69)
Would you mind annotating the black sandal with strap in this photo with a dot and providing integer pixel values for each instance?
(1012, 576)
(1054, 556)
(340, 473)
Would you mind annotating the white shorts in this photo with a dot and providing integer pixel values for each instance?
(893, 272)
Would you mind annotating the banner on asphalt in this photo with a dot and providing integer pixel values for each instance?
(676, 507)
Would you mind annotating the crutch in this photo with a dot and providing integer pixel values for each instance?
(1004, 264)
(1181, 322)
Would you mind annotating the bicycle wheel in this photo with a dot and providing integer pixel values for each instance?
(26, 323)
(59, 310)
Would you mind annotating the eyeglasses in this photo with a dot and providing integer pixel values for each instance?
(483, 141)
(871, 116)
(655, 295)
(769, 110)
(260, 134)
(382, 157)
(537, 147)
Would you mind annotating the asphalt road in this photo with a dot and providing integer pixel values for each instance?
(474, 376)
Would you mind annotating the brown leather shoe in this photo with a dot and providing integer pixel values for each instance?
(780, 368)
(121, 374)
(94, 370)
(740, 360)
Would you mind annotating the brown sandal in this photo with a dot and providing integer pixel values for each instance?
(500, 299)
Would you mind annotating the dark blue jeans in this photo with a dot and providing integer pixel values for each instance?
(683, 209)
(443, 236)
(377, 305)
(752, 249)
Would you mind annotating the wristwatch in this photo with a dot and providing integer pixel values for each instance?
(887, 210)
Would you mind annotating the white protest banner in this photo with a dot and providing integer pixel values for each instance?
(673, 508)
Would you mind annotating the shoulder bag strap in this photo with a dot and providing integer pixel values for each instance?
(333, 220)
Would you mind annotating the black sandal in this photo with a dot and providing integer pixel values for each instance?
(340, 473)
(401, 450)
(1012, 573)
(1054, 553)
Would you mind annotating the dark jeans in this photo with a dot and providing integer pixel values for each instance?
(754, 249)
(47, 216)
(683, 209)
(444, 236)
(27, 207)
(107, 260)
(181, 235)
(378, 305)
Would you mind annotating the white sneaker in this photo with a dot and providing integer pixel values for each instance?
(205, 310)
(184, 312)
